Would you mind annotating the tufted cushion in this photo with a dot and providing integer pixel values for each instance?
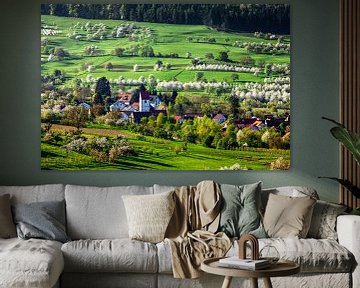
(117, 255)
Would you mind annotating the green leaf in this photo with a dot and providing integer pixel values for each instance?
(348, 138)
(347, 184)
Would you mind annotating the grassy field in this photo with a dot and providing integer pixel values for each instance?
(166, 39)
(158, 154)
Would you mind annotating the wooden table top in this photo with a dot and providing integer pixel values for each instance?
(281, 268)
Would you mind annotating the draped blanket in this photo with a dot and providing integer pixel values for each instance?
(191, 232)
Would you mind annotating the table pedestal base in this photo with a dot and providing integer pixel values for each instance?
(228, 279)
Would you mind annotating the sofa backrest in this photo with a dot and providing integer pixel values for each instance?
(35, 193)
(98, 212)
(293, 191)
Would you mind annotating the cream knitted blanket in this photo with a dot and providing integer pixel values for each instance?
(191, 231)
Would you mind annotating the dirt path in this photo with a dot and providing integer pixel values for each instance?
(92, 131)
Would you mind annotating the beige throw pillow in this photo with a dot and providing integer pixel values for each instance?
(288, 217)
(149, 215)
(7, 226)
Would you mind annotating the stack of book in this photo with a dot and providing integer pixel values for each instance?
(248, 264)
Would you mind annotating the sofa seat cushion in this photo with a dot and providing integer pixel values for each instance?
(313, 255)
(30, 263)
(115, 255)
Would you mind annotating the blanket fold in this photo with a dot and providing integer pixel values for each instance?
(191, 231)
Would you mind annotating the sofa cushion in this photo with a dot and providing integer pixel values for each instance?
(287, 216)
(290, 191)
(240, 212)
(116, 255)
(149, 215)
(98, 213)
(34, 193)
(313, 255)
(43, 220)
(323, 222)
(7, 226)
(30, 263)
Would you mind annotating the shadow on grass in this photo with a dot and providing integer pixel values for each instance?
(47, 154)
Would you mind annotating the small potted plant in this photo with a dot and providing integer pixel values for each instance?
(351, 141)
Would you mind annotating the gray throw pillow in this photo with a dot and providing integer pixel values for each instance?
(7, 226)
(323, 222)
(44, 220)
(240, 213)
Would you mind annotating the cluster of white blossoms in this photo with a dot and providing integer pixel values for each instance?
(224, 67)
(263, 47)
(188, 86)
(49, 32)
(269, 91)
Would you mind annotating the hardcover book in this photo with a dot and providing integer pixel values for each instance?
(249, 264)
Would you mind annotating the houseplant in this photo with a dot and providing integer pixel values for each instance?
(351, 141)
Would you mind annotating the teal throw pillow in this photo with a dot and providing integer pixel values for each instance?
(240, 213)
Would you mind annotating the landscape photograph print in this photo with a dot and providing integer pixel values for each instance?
(165, 86)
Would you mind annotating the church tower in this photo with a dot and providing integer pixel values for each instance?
(144, 101)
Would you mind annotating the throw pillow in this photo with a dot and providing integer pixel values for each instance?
(288, 217)
(44, 220)
(7, 226)
(149, 215)
(240, 213)
(323, 222)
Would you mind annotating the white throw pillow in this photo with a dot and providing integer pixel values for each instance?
(149, 215)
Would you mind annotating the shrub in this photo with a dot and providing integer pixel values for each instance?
(77, 145)
(280, 164)
(51, 137)
(98, 155)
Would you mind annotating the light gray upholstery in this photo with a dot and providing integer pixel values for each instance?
(35, 193)
(30, 263)
(108, 280)
(117, 255)
(98, 213)
(163, 188)
(328, 280)
(313, 255)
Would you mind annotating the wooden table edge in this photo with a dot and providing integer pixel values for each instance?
(292, 269)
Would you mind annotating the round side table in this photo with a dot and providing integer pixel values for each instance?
(281, 268)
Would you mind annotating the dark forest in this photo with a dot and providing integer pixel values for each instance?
(270, 18)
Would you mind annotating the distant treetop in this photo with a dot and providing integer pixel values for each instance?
(267, 18)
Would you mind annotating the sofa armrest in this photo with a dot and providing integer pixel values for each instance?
(348, 230)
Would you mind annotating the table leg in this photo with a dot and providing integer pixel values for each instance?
(254, 282)
(227, 282)
(267, 283)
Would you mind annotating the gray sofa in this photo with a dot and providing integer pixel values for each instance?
(101, 254)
